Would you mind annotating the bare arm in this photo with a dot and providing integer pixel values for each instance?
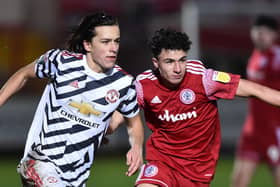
(136, 139)
(116, 120)
(16, 82)
(248, 88)
(134, 157)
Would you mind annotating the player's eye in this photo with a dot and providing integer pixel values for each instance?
(184, 59)
(169, 61)
(105, 41)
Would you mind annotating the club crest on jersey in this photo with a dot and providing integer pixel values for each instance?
(273, 153)
(112, 96)
(221, 77)
(187, 96)
(151, 171)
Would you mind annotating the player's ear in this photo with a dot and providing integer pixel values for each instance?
(87, 45)
(155, 62)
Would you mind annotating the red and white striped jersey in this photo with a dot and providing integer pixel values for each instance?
(184, 122)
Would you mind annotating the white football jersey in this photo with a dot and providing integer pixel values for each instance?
(74, 112)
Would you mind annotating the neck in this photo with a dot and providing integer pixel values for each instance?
(94, 66)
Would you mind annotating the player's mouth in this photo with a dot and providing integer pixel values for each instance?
(177, 77)
(111, 58)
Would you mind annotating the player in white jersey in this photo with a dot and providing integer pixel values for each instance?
(85, 88)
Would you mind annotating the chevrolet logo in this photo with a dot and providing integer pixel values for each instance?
(84, 108)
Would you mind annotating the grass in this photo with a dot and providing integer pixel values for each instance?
(261, 178)
(8, 172)
(110, 171)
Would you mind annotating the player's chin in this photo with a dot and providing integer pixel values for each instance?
(176, 81)
(110, 64)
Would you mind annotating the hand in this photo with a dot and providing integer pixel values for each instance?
(134, 160)
(105, 141)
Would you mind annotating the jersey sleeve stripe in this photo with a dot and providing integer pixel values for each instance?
(195, 61)
(64, 83)
(195, 72)
(146, 75)
(70, 70)
(195, 67)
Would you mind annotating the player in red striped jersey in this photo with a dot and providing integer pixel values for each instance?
(260, 138)
(179, 101)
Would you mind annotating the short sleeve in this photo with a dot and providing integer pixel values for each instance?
(129, 106)
(46, 65)
(220, 85)
(139, 91)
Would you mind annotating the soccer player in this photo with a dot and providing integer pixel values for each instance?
(260, 138)
(85, 88)
(179, 99)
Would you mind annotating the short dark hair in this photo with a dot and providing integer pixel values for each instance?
(169, 39)
(267, 21)
(86, 30)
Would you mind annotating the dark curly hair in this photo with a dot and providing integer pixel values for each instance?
(169, 39)
(86, 30)
(266, 21)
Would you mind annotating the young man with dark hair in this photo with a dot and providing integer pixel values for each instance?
(85, 88)
(260, 137)
(179, 100)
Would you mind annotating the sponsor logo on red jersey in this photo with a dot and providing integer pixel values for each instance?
(177, 117)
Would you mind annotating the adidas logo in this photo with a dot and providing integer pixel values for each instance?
(156, 100)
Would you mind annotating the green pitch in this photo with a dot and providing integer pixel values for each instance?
(223, 175)
(110, 171)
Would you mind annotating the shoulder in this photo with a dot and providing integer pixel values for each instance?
(121, 71)
(68, 54)
(195, 63)
(61, 55)
(66, 59)
(120, 74)
(195, 67)
(50, 54)
(146, 75)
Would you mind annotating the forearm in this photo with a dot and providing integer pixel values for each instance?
(116, 120)
(136, 132)
(136, 137)
(269, 95)
(15, 83)
(250, 89)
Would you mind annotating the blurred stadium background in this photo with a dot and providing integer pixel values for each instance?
(219, 30)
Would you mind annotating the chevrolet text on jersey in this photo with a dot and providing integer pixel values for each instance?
(79, 120)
